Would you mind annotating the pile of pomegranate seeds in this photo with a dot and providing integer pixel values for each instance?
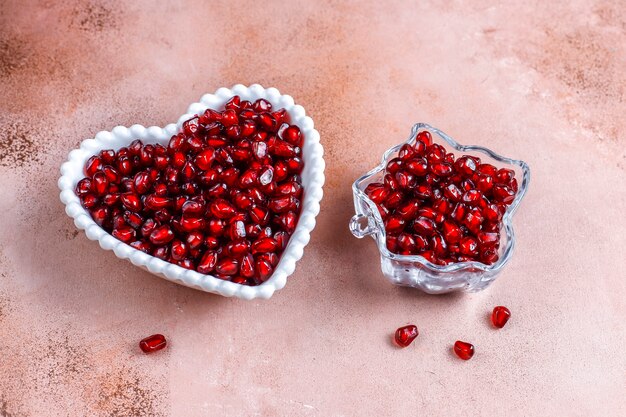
(500, 316)
(406, 335)
(223, 198)
(152, 343)
(445, 209)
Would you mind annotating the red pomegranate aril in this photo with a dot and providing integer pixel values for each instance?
(152, 343)
(131, 202)
(488, 239)
(471, 197)
(147, 227)
(83, 186)
(100, 183)
(424, 226)
(161, 252)
(503, 194)
(468, 246)
(423, 191)
(394, 224)
(407, 242)
(227, 266)
(394, 165)
(142, 246)
(93, 165)
(134, 220)
(287, 221)
(425, 137)
(439, 245)
(443, 169)
(500, 316)
(293, 135)
(405, 335)
(194, 240)
(222, 209)
(473, 220)
(142, 182)
(161, 235)
(489, 256)
(90, 201)
(464, 350)
(207, 262)
(266, 244)
(125, 234)
(267, 121)
(282, 149)
(452, 192)
(178, 250)
(259, 215)
(488, 169)
(264, 269)
(484, 183)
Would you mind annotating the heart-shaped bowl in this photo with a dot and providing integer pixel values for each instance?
(415, 270)
(120, 136)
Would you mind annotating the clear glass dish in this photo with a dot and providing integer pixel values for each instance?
(414, 270)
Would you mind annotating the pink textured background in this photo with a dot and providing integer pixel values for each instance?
(540, 81)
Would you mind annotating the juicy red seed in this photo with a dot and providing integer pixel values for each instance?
(229, 118)
(266, 244)
(424, 226)
(131, 202)
(83, 186)
(425, 137)
(471, 197)
(153, 343)
(247, 268)
(222, 209)
(394, 224)
(178, 250)
(205, 158)
(418, 167)
(142, 182)
(287, 221)
(293, 136)
(207, 262)
(443, 169)
(264, 269)
(125, 234)
(451, 232)
(161, 235)
(468, 246)
(488, 239)
(503, 193)
(500, 316)
(227, 267)
(267, 121)
(489, 256)
(90, 201)
(194, 240)
(406, 335)
(100, 183)
(463, 350)
(93, 165)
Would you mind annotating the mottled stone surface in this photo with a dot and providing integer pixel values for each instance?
(540, 81)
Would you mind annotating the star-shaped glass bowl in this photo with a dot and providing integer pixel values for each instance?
(415, 270)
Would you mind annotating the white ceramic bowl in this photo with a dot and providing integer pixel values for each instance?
(119, 136)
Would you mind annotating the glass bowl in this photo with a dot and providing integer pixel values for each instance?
(415, 270)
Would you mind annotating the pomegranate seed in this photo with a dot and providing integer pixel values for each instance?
(424, 226)
(406, 335)
(207, 262)
(131, 202)
(264, 269)
(266, 244)
(464, 350)
(227, 267)
(125, 234)
(161, 235)
(500, 316)
(178, 250)
(152, 343)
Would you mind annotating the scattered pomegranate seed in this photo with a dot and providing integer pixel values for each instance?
(444, 209)
(222, 197)
(500, 316)
(464, 350)
(406, 335)
(153, 343)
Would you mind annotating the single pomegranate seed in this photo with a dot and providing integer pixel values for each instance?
(227, 267)
(131, 202)
(161, 235)
(207, 262)
(406, 335)
(264, 269)
(153, 343)
(424, 137)
(424, 226)
(125, 234)
(394, 224)
(266, 244)
(500, 316)
(463, 350)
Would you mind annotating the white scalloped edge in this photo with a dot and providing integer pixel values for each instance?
(119, 136)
